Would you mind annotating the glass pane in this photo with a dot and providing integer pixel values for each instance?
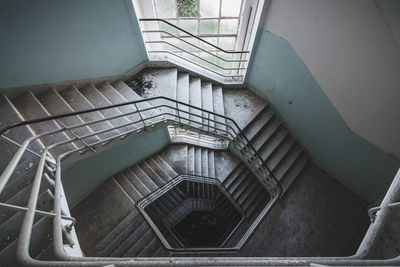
(230, 8)
(227, 43)
(209, 8)
(189, 25)
(228, 26)
(188, 45)
(168, 28)
(188, 8)
(206, 46)
(166, 8)
(209, 26)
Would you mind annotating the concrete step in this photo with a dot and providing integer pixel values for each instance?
(267, 149)
(211, 163)
(161, 252)
(295, 169)
(286, 163)
(136, 182)
(197, 161)
(207, 103)
(142, 242)
(123, 240)
(21, 199)
(116, 98)
(151, 248)
(99, 100)
(9, 230)
(234, 174)
(204, 162)
(159, 82)
(280, 152)
(253, 197)
(78, 102)
(246, 190)
(218, 106)
(151, 173)
(159, 170)
(130, 95)
(20, 179)
(195, 100)
(30, 108)
(240, 180)
(165, 166)
(190, 159)
(109, 238)
(55, 105)
(129, 188)
(9, 115)
(258, 122)
(261, 198)
(42, 233)
(182, 93)
(146, 180)
(266, 132)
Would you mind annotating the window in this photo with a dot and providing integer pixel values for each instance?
(215, 21)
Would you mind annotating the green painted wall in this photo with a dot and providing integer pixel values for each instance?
(278, 72)
(83, 176)
(390, 11)
(46, 41)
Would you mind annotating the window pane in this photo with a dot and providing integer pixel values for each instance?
(189, 25)
(227, 43)
(188, 8)
(188, 45)
(230, 8)
(209, 8)
(228, 26)
(209, 26)
(168, 28)
(166, 8)
(206, 46)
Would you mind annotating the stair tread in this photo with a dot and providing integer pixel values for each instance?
(114, 232)
(30, 108)
(99, 100)
(56, 105)
(79, 102)
(115, 97)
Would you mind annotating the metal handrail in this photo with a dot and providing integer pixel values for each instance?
(190, 53)
(147, 100)
(64, 260)
(194, 36)
(195, 63)
(198, 47)
(157, 193)
(26, 229)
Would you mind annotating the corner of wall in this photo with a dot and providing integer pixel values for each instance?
(278, 73)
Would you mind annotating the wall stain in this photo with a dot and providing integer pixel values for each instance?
(273, 92)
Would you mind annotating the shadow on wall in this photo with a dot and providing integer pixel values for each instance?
(277, 72)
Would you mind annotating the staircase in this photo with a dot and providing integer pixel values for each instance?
(266, 132)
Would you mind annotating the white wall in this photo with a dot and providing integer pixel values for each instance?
(353, 56)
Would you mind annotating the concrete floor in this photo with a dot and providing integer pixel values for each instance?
(316, 217)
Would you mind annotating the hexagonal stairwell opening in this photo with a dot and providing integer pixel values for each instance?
(201, 229)
(192, 212)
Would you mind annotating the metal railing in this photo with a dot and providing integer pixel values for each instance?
(148, 121)
(178, 47)
(151, 112)
(153, 196)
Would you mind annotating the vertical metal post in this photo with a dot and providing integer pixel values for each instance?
(140, 115)
(179, 116)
